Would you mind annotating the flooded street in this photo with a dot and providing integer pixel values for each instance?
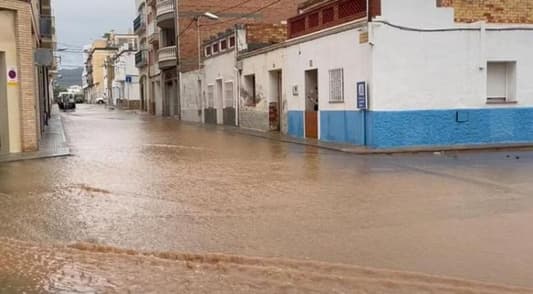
(203, 210)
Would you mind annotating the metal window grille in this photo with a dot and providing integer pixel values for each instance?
(211, 96)
(232, 42)
(229, 95)
(336, 85)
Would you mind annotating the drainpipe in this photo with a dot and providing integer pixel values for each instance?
(178, 76)
(238, 82)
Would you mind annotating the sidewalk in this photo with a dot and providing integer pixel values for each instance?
(53, 142)
(347, 148)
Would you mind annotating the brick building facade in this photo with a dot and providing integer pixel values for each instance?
(492, 11)
(230, 12)
(27, 98)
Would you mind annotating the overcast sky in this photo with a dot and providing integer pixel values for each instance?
(79, 22)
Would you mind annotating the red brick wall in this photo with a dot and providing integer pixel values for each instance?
(266, 33)
(493, 11)
(229, 16)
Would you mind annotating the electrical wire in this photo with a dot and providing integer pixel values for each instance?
(246, 15)
(405, 28)
(186, 29)
(234, 6)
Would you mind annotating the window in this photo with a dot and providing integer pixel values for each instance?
(501, 82)
(228, 95)
(232, 42)
(336, 85)
(249, 92)
(211, 96)
(208, 51)
(223, 45)
(215, 48)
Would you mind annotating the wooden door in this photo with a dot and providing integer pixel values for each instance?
(311, 124)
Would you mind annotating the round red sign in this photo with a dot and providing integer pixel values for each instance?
(12, 74)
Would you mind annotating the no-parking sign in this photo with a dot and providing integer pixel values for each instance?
(12, 76)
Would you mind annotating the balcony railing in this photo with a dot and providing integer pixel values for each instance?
(154, 69)
(325, 16)
(139, 24)
(167, 53)
(141, 59)
(167, 56)
(165, 7)
(153, 32)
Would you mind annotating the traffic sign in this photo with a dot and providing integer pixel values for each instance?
(362, 97)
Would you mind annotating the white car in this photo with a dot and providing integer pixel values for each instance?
(99, 100)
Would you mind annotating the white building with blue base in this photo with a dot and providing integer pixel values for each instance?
(432, 82)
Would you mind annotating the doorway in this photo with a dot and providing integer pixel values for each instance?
(210, 112)
(229, 114)
(311, 104)
(4, 123)
(275, 104)
(168, 98)
(219, 101)
(142, 92)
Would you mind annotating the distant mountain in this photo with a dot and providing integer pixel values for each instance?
(70, 77)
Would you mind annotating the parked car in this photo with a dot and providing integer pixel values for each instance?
(67, 102)
(79, 98)
(99, 100)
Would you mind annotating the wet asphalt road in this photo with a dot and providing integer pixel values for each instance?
(155, 184)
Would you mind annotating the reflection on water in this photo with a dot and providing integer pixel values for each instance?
(151, 184)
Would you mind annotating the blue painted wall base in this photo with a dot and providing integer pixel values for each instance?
(296, 123)
(397, 129)
(342, 127)
(419, 128)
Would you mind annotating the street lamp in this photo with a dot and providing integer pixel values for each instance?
(207, 15)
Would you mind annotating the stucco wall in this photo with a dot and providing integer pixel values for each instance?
(256, 117)
(221, 68)
(440, 70)
(430, 88)
(191, 98)
(337, 122)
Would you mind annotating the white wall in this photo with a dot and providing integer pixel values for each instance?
(341, 50)
(221, 67)
(441, 70)
(190, 97)
(261, 65)
(417, 13)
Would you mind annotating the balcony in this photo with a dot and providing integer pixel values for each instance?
(325, 16)
(139, 25)
(48, 32)
(141, 59)
(154, 69)
(165, 13)
(167, 57)
(153, 33)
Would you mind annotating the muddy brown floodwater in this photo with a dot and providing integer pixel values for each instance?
(151, 205)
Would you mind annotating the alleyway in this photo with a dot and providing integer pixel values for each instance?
(156, 185)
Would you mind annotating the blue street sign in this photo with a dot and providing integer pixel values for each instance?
(362, 97)
(129, 79)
